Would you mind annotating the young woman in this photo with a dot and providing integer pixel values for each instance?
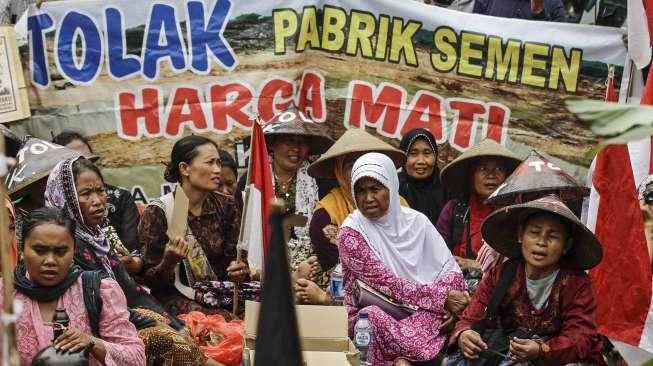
(396, 251)
(48, 279)
(208, 250)
(550, 299)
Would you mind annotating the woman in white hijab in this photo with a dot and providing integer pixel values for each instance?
(399, 253)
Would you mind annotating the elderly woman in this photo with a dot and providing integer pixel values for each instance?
(76, 186)
(398, 252)
(472, 178)
(419, 179)
(548, 303)
(47, 279)
(334, 208)
(208, 250)
(291, 139)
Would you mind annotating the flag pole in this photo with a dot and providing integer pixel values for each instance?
(9, 339)
(243, 217)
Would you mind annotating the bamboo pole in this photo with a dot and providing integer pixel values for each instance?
(7, 274)
(243, 217)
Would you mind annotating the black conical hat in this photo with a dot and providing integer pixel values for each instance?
(35, 161)
(537, 175)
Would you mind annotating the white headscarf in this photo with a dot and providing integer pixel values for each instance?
(403, 239)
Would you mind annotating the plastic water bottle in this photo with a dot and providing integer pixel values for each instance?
(363, 336)
(336, 284)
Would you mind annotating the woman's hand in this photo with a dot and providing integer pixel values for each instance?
(131, 263)
(523, 350)
(73, 340)
(471, 344)
(457, 301)
(175, 251)
(238, 271)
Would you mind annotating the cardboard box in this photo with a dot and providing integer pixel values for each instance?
(316, 358)
(353, 355)
(321, 328)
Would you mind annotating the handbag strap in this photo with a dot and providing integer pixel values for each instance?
(508, 274)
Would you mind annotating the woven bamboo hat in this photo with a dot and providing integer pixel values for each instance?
(455, 175)
(537, 175)
(354, 140)
(293, 123)
(499, 230)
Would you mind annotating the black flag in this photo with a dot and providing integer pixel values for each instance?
(277, 339)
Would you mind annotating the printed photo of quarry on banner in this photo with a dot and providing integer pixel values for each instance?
(326, 182)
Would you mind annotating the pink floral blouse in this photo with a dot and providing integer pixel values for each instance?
(416, 337)
(119, 335)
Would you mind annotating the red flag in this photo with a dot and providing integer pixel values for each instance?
(256, 231)
(623, 278)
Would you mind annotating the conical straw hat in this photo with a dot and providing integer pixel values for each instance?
(537, 175)
(500, 232)
(455, 175)
(35, 161)
(354, 140)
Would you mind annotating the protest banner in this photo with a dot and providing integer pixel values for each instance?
(134, 76)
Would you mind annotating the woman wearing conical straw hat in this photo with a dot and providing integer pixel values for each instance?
(292, 137)
(333, 209)
(471, 178)
(548, 306)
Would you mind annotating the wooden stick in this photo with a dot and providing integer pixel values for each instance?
(7, 271)
(243, 217)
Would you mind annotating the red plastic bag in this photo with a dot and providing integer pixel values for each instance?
(218, 339)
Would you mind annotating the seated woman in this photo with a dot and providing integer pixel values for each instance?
(290, 140)
(550, 299)
(333, 209)
(212, 231)
(472, 178)
(47, 279)
(419, 179)
(396, 251)
(76, 186)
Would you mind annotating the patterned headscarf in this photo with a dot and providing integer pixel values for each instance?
(62, 193)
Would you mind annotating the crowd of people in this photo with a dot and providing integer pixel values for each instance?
(387, 218)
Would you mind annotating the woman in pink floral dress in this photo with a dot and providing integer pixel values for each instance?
(397, 251)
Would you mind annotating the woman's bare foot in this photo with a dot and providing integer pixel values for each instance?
(310, 293)
(402, 362)
(307, 269)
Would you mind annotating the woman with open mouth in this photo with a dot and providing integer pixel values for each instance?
(544, 300)
(470, 179)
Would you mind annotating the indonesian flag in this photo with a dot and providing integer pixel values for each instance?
(623, 280)
(256, 228)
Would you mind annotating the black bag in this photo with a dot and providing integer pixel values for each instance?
(497, 338)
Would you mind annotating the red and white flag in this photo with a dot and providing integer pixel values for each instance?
(623, 280)
(256, 231)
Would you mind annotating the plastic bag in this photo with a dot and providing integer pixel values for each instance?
(220, 340)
